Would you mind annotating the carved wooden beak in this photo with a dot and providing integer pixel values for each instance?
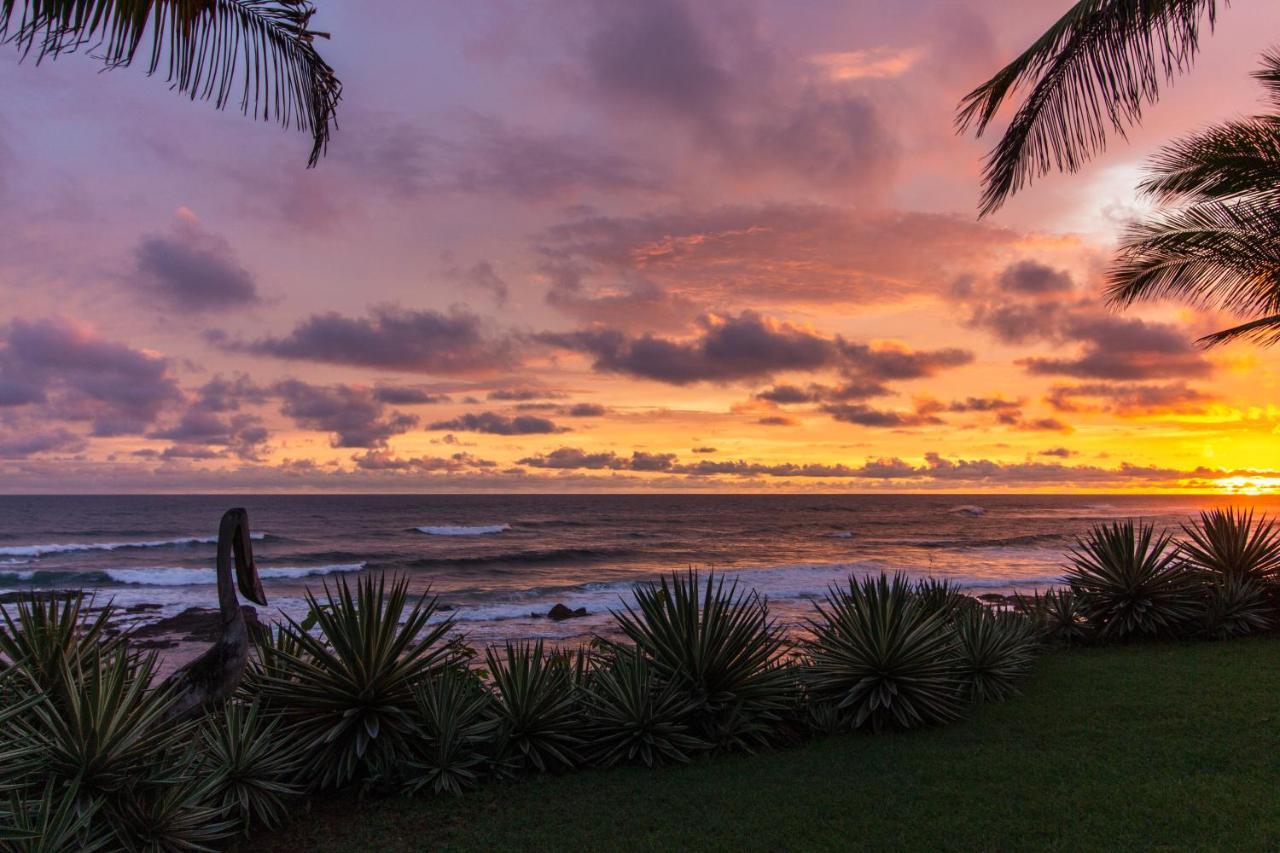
(246, 571)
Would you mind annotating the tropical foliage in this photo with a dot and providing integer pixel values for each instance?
(1216, 243)
(260, 53)
(1130, 582)
(347, 690)
(1087, 77)
(720, 650)
(368, 688)
(883, 656)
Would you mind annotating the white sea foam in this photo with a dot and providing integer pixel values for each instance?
(842, 534)
(461, 530)
(968, 509)
(162, 576)
(779, 584)
(43, 549)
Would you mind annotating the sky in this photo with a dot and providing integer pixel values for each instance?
(602, 245)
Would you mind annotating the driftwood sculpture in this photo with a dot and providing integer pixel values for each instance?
(212, 678)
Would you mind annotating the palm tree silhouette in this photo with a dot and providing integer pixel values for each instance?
(259, 51)
(1219, 244)
(1089, 75)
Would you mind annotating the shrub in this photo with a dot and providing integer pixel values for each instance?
(59, 820)
(535, 708)
(104, 732)
(633, 718)
(455, 729)
(943, 597)
(1056, 617)
(1229, 542)
(719, 649)
(348, 694)
(1130, 582)
(44, 636)
(251, 762)
(1236, 605)
(883, 657)
(996, 651)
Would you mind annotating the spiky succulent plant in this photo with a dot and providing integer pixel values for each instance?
(883, 657)
(720, 650)
(1131, 582)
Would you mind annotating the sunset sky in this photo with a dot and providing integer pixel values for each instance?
(579, 245)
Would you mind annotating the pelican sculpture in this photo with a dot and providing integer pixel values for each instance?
(213, 677)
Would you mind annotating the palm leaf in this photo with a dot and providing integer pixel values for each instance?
(261, 52)
(1091, 73)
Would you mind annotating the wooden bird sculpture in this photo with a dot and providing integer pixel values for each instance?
(212, 678)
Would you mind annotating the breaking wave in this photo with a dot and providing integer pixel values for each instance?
(465, 530)
(44, 549)
(161, 576)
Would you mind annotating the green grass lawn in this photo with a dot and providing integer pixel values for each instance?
(1143, 747)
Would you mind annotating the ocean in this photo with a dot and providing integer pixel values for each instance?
(499, 563)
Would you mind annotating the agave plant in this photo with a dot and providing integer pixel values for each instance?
(1056, 616)
(178, 815)
(632, 718)
(43, 636)
(1237, 605)
(103, 728)
(59, 820)
(721, 651)
(883, 657)
(943, 597)
(995, 650)
(454, 730)
(535, 707)
(251, 762)
(348, 693)
(1229, 542)
(1130, 582)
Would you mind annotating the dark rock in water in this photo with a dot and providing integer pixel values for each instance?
(994, 597)
(142, 608)
(197, 624)
(445, 608)
(559, 613)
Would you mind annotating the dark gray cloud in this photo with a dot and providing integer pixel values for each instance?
(776, 420)
(1034, 278)
(382, 460)
(585, 410)
(351, 413)
(78, 375)
(33, 442)
(1128, 399)
(408, 395)
(575, 458)
(747, 346)
(1029, 303)
(984, 404)
(495, 423)
(190, 269)
(857, 413)
(1124, 348)
(391, 338)
(524, 394)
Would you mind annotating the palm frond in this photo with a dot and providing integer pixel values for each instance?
(1227, 161)
(1091, 73)
(259, 51)
(1217, 254)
